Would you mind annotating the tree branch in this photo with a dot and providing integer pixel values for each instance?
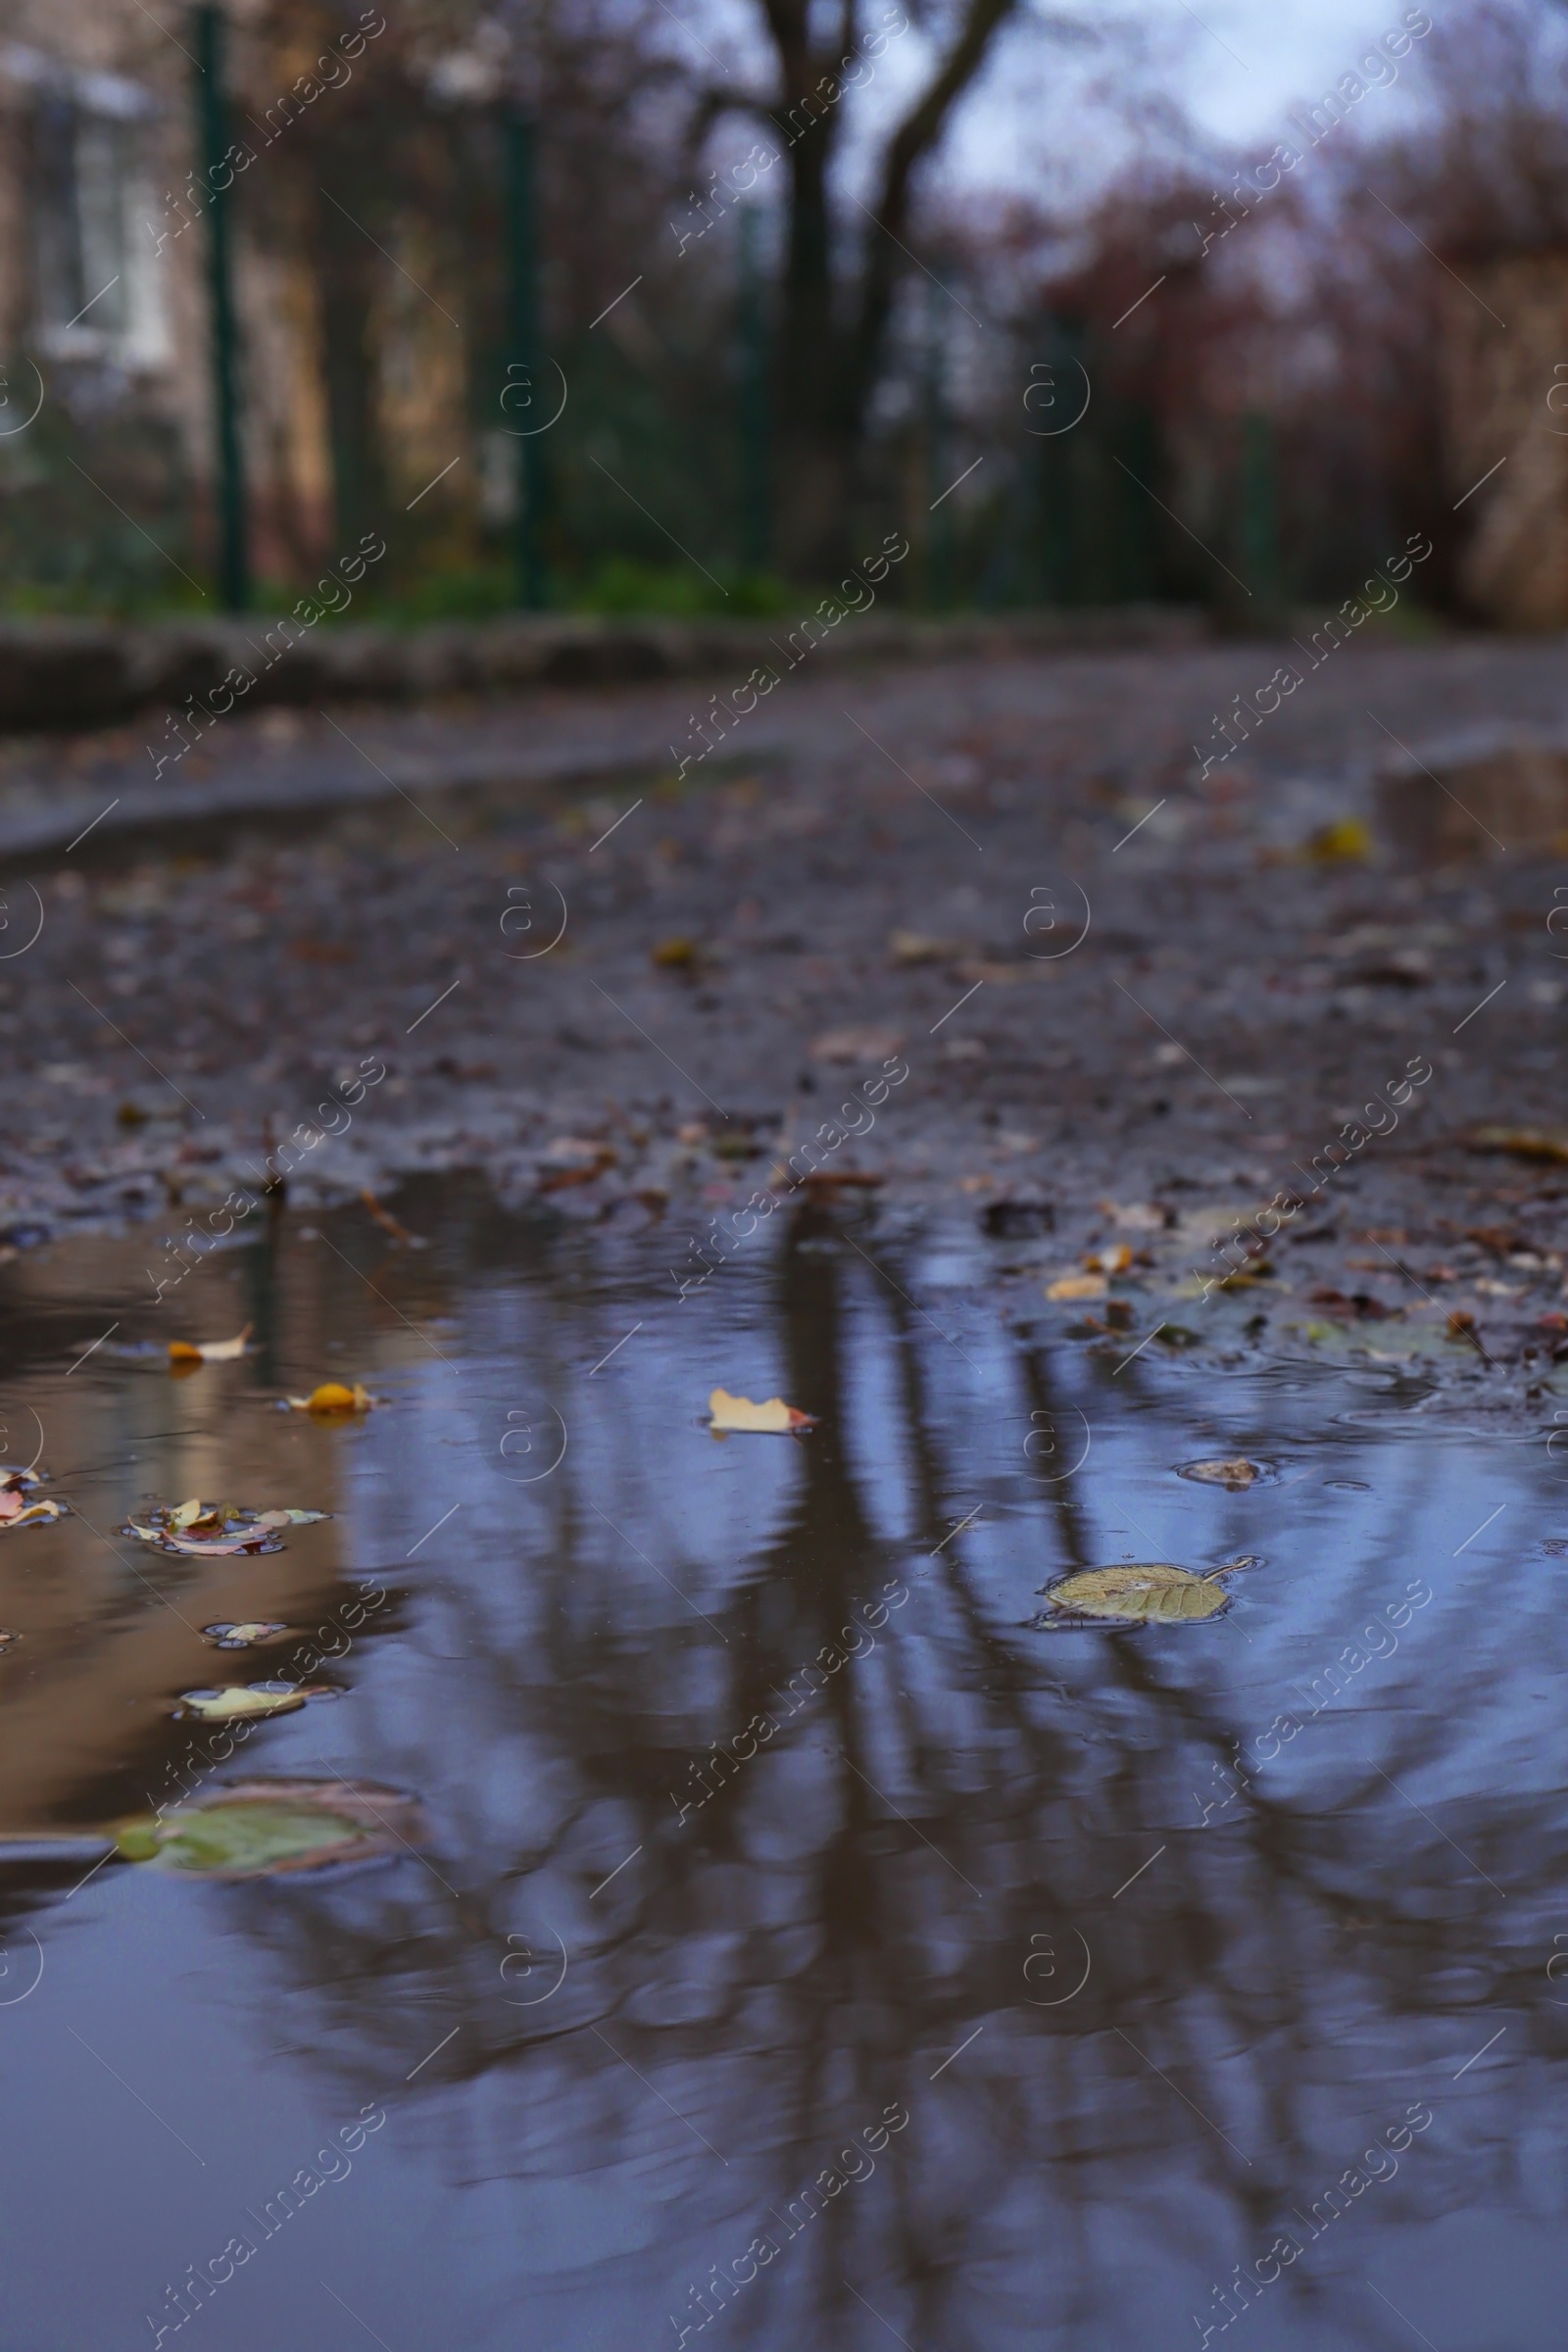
(915, 137)
(712, 104)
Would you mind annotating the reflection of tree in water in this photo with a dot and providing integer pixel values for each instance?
(820, 1937)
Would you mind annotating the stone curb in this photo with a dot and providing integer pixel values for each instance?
(76, 674)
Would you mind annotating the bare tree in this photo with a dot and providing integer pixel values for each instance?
(832, 329)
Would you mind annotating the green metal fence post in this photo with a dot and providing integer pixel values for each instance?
(212, 147)
(756, 533)
(526, 365)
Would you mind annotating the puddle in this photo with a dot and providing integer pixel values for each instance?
(795, 1944)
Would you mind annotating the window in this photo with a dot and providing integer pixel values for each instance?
(97, 288)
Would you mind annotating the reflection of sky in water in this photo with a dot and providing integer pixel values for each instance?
(756, 1983)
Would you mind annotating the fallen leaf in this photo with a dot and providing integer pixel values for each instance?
(1143, 1590)
(18, 1506)
(210, 1351)
(739, 1413)
(837, 1180)
(857, 1045)
(1524, 1142)
(1348, 841)
(201, 1547)
(246, 1635)
(243, 1699)
(220, 1530)
(920, 946)
(1114, 1260)
(1235, 1473)
(673, 955)
(257, 1829)
(1077, 1286)
(37, 1513)
(333, 1397)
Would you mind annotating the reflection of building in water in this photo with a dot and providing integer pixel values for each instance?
(1506, 403)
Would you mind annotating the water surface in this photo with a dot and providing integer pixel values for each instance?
(1069, 1977)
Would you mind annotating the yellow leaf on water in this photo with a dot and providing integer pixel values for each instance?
(739, 1413)
(1115, 1260)
(210, 1351)
(224, 1706)
(333, 1396)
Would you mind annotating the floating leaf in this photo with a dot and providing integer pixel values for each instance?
(33, 1514)
(1234, 1473)
(739, 1413)
(259, 1828)
(201, 1530)
(252, 1538)
(246, 1635)
(241, 1699)
(1141, 1591)
(190, 1353)
(1114, 1259)
(333, 1397)
(19, 1505)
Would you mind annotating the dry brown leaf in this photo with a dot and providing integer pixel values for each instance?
(1235, 1473)
(1114, 1260)
(740, 1414)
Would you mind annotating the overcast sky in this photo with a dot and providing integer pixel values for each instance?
(1234, 66)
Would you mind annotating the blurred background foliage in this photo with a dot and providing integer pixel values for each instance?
(767, 369)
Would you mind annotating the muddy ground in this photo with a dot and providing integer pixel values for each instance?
(630, 1004)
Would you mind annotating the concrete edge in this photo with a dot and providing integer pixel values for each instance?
(57, 675)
